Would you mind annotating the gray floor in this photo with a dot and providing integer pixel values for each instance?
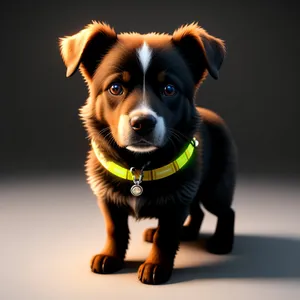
(50, 228)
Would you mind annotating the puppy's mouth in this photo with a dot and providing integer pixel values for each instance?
(142, 146)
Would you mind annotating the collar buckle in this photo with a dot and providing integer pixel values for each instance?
(195, 142)
(141, 176)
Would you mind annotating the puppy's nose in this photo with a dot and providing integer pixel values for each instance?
(143, 124)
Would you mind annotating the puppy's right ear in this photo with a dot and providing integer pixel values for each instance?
(86, 48)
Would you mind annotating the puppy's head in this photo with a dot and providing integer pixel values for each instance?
(141, 87)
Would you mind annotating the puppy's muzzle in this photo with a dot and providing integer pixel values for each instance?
(143, 124)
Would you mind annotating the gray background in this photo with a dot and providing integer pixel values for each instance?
(50, 225)
(257, 93)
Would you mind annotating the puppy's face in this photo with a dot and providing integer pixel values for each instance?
(142, 90)
(141, 86)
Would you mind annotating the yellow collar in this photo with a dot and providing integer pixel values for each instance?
(149, 175)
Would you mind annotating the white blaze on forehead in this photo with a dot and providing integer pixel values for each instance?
(144, 54)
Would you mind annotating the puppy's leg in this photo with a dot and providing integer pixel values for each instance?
(112, 256)
(158, 266)
(218, 202)
(190, 230)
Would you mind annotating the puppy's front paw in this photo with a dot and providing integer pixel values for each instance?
(154, 273)
(104, 264)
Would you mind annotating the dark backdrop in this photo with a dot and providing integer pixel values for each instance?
(257, 93)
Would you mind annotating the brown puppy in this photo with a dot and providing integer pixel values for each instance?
(153, 153)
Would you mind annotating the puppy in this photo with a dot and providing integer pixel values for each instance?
(153, 154)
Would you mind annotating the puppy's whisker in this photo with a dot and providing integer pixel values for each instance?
(103, 130)
(109, 138)
(172, 142)
(179, 134)
(176, 137)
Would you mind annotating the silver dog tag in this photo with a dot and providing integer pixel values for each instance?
(136, 190)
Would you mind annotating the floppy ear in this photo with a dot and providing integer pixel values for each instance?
(200, 50)
(86, 48)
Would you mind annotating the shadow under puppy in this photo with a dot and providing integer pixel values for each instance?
(154, 154)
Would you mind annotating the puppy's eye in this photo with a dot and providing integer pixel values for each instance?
(169, 90)
(116, 89)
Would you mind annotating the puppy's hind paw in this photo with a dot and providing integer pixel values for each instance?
(149, 234)
(188, 234)
(104, 264)
(219, 246)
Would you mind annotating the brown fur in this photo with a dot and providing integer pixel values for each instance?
(208, 179)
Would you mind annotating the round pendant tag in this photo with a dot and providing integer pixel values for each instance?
(136, 190)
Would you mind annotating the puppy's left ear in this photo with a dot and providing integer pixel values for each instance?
(200, 50)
